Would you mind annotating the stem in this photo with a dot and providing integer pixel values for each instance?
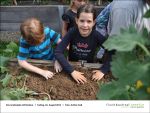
(44, 93)
(24, 83)
(145, 49)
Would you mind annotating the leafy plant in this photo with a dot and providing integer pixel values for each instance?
(6, 80)
(11, 50)
(14, 93)
(6, 92)
(3, 63)
(130, 64)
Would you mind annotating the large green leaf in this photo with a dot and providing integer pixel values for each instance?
(128, 69)
(126, 41)
(129, 64)
(109, 91)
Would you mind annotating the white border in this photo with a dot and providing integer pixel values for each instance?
(56, 106)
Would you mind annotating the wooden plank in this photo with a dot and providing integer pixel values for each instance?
(50, 63)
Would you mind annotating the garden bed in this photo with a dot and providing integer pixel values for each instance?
(60, 87)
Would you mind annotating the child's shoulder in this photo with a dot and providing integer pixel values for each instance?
(48, 30)
(69, 12)
(22, 40)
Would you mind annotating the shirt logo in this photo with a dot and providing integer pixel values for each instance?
(82, 45)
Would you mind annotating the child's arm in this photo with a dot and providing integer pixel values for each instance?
(98, 74)
(59, 53)
(57, 66)
(78, 76)
(45, 73)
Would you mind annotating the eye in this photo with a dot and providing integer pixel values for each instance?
(89, 21)
(81, 20)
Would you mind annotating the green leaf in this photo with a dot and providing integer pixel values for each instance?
(4, 94)
(3, 60)
(109, 91)
(146, 78)
(12, 46)
(123, 96)
(5, 81)
(12, 93)
(128, 69)
(11, 50)
(3, 69)
(17, 94)
(145, 33)
(126, 41)
(147, 14)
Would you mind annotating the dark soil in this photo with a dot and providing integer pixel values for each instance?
(61, 86)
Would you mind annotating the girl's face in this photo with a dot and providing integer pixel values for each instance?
(78, 3)
(85, 23)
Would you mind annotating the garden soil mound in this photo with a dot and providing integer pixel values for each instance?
(61, 86)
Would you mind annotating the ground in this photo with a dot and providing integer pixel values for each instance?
(61, 86)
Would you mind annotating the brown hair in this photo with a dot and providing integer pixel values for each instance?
(87, 8)
(32, 31)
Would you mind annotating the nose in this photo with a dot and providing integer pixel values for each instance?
(85, 24)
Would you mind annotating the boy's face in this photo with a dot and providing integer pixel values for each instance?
(85, 23)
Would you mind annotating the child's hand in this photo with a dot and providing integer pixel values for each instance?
(97, 75)
(47, 74)
(57, 66)
(78, 77)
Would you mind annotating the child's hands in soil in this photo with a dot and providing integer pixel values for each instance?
(57, 66)
(47, 74)
(78, 77)
(97, 75)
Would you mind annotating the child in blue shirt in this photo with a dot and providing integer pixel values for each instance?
(36, 43)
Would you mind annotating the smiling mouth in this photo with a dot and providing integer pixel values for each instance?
(84, 29)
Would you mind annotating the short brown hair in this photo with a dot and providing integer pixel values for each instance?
(32, 31)
(87, 8)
